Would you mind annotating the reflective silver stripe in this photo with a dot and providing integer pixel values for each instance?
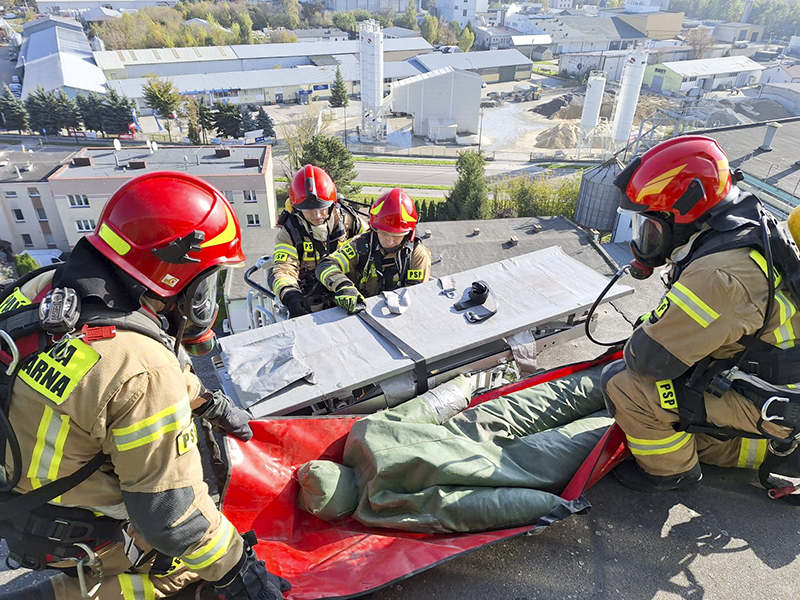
(692, 305)
(340, 260)
(213, 550)
(152, 428)
(784, 334)
(290, 250)
(643, 447)
(751, 453)
(136, 587)
(49, 449)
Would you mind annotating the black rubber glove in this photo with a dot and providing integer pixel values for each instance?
(250, 580)
(296, 303)
(349, 298)
(220, 410)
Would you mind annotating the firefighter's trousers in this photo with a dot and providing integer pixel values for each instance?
(635, 401)
(121, 581)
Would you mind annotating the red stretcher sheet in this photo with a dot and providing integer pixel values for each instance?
(346, 559)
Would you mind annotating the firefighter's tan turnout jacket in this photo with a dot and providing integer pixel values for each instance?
(128, 397)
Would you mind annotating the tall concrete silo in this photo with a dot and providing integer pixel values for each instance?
(592, 104)
(373, 123)
(629, 88)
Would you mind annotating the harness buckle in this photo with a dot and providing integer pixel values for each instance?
(765, 408)
(61, 526)
(90, 561)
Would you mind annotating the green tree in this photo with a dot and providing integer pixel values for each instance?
(13, 111)
(430, 29)
(346, 21)
(90, 108)
(409, 18)
(117, 112)
(43, 111)
(162, 96)
(339, 91)
(469, 198)
(465, 40)
(248, 122)
(290, 9)
(205, 118)
(245, 28)
(330, 153)
(25, 263)
(227, 119)
(264, 121)
(68, 115)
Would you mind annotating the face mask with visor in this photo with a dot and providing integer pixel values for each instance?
(194, 313)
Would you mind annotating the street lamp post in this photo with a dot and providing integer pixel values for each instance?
(480, 131)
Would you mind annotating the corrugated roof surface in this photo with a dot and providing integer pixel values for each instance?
(268, 78)
(588, 29)
(56, 55)
(713, 66)
(473, 60)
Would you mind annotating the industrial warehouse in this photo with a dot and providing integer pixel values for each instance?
(588, 331)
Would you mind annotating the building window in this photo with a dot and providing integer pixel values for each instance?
(85, 225)
(661, 71)
(50, 240)
(249, 195)
(27, 241)
(253, 221)
(11, 194)
(229, 196)
(41, 214)
(18, 216)
(465, 13)
(78, 200)
(34, 193)
(692, 79)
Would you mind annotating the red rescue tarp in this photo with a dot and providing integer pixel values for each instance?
(346, 559)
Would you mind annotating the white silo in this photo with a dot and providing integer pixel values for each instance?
(370, 36)
(595, 87)
(629, 88)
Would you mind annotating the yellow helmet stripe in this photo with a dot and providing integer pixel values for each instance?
(657, 184)
(228, 234)
(376, 209)
(404, 214)
(722, 166)
(112, 238)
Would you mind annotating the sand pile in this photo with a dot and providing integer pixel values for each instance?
(559, 137)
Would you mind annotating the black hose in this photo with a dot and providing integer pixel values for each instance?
(599, 299)
(8, 434)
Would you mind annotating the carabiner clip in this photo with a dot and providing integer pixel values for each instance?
(93, 562)
(12, 347)
(765, 408)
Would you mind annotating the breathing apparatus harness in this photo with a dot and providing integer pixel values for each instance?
(374, 256)
(38, 533)
(761, 372)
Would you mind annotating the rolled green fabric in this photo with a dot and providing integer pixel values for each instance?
(328, 490)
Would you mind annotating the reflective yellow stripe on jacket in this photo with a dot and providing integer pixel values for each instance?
(152, 428)
(784, 333)
(213, 550)
(692, 305)
(136, 587)
(751, 453)
(49, 449)
(642, 447)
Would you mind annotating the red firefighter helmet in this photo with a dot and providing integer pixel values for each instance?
(312, 188)
(394, 212)
(166, 228)
(686, 176)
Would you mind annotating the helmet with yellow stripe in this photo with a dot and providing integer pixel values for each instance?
(687, 176)
(394, 213)
(166, 228)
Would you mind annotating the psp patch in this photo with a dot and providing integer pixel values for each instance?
(666, 394)
(187, 439)
(415, 274)
(349, 251)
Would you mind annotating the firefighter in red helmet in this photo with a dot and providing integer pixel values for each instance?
(701, 372)
(387, 257)
(104, 469)
(313, 225)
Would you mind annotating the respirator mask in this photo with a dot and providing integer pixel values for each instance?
(194, 313)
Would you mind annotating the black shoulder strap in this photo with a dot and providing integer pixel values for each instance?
(404, 259)
(295, 232)
(23, 504)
